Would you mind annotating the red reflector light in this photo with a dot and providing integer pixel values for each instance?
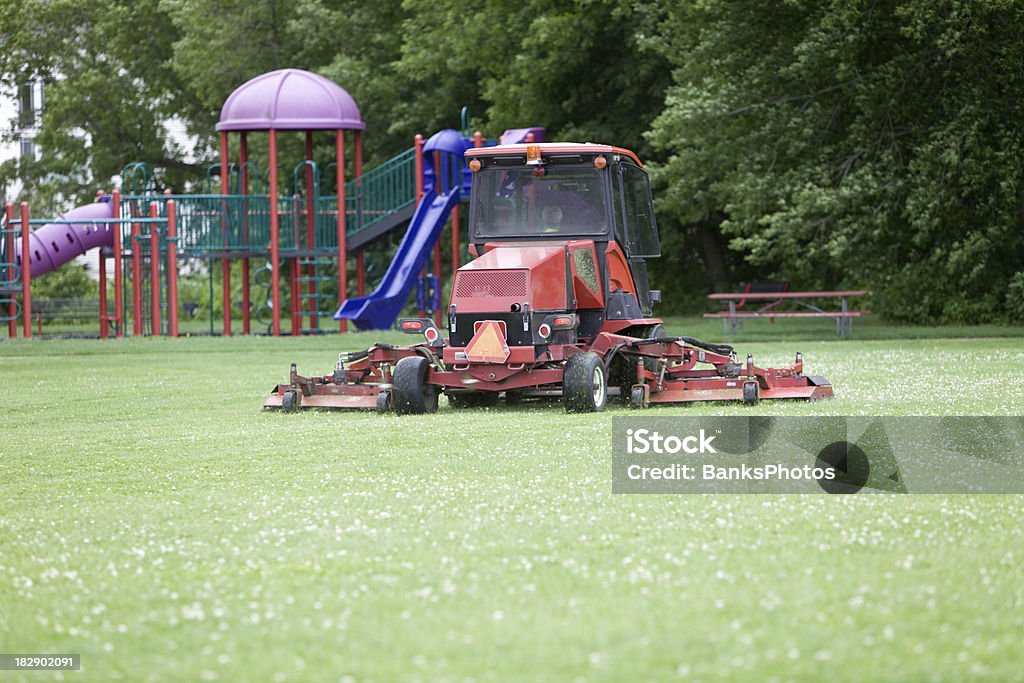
(431, 334)
(562, 321)
(412, 325)
(544, 330)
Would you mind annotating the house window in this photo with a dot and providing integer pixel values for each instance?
(26, 107)
(28, 148)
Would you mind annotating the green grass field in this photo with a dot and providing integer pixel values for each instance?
(155, 520)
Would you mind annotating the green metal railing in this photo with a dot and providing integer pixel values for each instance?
(382, 191)
(10, 247)
(10, 271)
(137, 178)
(216, 223)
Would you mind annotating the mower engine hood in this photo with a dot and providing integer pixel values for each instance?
(513, 275)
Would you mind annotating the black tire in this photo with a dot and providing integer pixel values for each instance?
(384, 401)
(636, 397)
(410, 392)
(653, 332)
(290, 400)
(656, 331)
(513, 398)
(750, 393)
(472, 399)
(623, 367)
(585, 383)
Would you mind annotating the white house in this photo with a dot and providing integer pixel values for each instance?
(20, 110)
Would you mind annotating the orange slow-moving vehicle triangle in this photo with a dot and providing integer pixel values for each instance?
(487, 345)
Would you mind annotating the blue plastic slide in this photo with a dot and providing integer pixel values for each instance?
(378, 311)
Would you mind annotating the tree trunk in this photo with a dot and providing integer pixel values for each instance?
(713, 252)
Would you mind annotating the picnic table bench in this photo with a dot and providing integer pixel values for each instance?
(64, 309)
(732, 317)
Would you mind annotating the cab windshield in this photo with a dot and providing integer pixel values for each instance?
(523, 201)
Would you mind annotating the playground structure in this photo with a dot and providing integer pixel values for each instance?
(302, 248)
(556, 303)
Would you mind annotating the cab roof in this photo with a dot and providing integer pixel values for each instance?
(553, 148)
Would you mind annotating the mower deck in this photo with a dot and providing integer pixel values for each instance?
(645, 372)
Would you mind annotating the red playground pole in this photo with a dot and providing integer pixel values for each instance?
(136, 282)
(275, 227)
(225, 262)
(419, 190)
(358, 174)
(172, 268)
(359, 154)
(478, 141)
(437, 247)
(293, 277)
(26, 275)
(456, 247)
(314, 320)
(104, 321)
(293, 272)
(9, 254)
(339, 151)
(360, 275)
(154, 269)
(243, 158)
(118, 267)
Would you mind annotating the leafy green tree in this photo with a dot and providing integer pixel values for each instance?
(853, 144)
(108, 90)
(70, 281)
(577, 68)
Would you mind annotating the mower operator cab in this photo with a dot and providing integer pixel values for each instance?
(559, 228)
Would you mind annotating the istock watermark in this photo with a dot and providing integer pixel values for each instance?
(646, 441)
(812, 454)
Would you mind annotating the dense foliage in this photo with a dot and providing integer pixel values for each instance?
(864, 144)
(855, 144)
(70, 281)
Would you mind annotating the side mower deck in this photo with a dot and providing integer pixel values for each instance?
(646, 371)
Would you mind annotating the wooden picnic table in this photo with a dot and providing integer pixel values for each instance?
(733, 317)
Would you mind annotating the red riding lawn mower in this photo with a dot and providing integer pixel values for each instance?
(556, 303)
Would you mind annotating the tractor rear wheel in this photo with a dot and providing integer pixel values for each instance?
(584, 383)
(653, 332)
(623, 367)
(656, 331)
(410, 392)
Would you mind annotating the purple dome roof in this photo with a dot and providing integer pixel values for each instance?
(290, 99)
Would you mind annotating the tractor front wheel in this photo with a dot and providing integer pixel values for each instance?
(410, 393)
(584, 383)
